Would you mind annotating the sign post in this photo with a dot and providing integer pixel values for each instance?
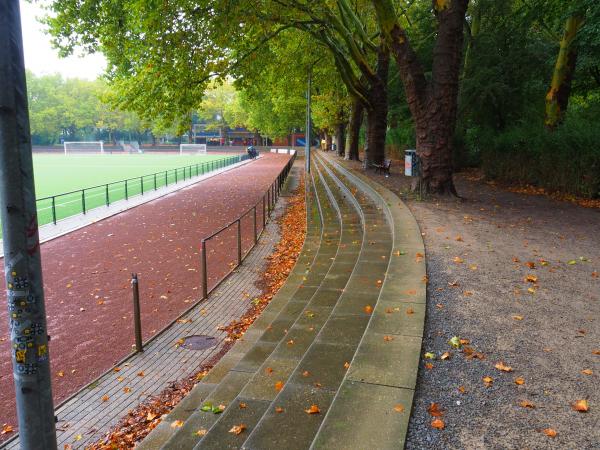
(22, 262)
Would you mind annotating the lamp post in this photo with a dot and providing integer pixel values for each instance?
(307, 138)
(22, 261)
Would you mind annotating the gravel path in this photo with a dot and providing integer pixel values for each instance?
(479, 253)
(87, 272)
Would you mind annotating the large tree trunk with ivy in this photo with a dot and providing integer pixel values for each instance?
(433, 104)
(377, 111)
(557, 99)
(356, 118)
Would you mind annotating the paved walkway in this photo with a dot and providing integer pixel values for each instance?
(87, 272)
(332, 361)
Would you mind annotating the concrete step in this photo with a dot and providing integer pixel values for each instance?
(164, 431)
(285, 364)
(227, 379)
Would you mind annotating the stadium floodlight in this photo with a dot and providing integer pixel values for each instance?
(192, 149)
(84, 147)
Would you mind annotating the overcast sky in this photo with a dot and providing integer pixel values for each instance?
(41, 58)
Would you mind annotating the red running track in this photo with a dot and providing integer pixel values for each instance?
(87, 274)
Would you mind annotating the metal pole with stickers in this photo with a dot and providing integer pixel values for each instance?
(22, 262)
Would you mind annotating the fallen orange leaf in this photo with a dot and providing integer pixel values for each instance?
(141, 374)
(314, 409)
(520, 381)
(399, 408)
(126, 390)
(428, 366)
(446, 355)
(531, 278)
(504, 368)
(306, 373)
(279, 409)
(6, 428)
(105, 398)
(177, 424)
(550, 432)
(458, 260)
(202, 432)
(388, 338)
(517, 317)
(242, 405)
(462, 389)
(488, 381)
(581, 406)
(279, 385)
(410, 311)
(346, 365)
(587, 371)
(269, 370)
(237, 429)
(368, 309)
(150, 416)
(438, 424)
(526, 404)
(434, 410)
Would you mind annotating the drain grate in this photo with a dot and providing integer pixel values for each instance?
(199, 342)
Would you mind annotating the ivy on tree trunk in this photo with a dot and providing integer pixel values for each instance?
(557, 99)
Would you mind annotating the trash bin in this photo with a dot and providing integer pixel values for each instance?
(411, 163)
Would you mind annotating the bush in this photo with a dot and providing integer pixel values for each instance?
(565, 160)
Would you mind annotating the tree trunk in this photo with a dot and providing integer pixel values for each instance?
(356, 118)
(433, 104)
(557, 99)
(328, 141)
(377, 113)
(340, 138)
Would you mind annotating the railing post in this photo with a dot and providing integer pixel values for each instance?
(54, 210)
(126, 190)
(264, 212)
(204, 271)
(137, 321)
(142, 185)
(155, 182)
(107, 198)
(239, 241)
(83, 200)
(166, 178)
(255, 231)
(175, 176)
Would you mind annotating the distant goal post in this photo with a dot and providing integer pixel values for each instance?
(83, 147)
(192, 149)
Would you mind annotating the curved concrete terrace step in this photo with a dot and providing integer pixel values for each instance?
(367, 261)
(372, 407)
(320, 220)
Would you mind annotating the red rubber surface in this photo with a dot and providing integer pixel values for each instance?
(159, 240)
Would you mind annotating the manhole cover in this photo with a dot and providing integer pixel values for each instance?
(199, 342)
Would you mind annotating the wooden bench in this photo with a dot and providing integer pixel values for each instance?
(383, 168)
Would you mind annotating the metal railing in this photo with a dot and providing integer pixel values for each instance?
(253, 222)
(56, 207)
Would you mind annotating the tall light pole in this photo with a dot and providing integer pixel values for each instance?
(22, 262)
(307, 137)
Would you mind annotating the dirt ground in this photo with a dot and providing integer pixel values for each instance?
(516, 276)
(87, 274)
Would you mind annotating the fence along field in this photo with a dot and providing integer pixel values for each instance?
(80, 181)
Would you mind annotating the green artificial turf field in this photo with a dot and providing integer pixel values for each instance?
(58, 174)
